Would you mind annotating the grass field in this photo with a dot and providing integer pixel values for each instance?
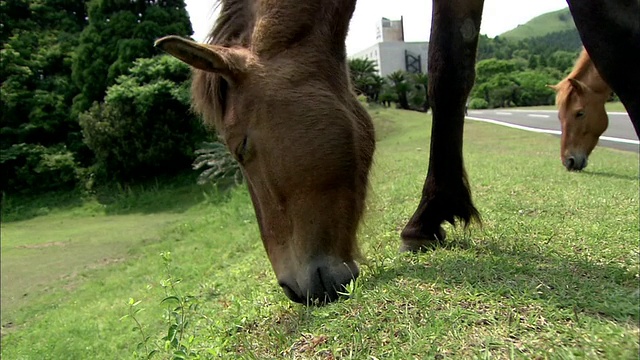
(553, 272)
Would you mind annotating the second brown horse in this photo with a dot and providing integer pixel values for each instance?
(580, 98)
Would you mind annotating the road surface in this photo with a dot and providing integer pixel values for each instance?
(619, 135)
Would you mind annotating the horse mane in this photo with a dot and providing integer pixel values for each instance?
(564, 88)
(233, 27)
(234, 24)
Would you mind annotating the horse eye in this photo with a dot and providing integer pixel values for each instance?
(580, 113)
(242, 150)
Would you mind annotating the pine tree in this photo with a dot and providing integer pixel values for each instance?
(119, 32)
(37, 133)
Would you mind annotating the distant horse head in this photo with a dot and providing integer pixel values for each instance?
(273, 81)
(580, 99)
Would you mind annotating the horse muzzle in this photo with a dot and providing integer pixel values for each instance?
(575, 162)
(323, 281)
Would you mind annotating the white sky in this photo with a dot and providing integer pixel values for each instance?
(499, 16)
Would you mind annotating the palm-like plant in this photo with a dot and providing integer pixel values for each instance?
(365, 77)
(422, 81)
(401, 87)
(218, 164)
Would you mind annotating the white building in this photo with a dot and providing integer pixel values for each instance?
(392, 53)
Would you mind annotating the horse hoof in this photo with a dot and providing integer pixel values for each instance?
(423, 244)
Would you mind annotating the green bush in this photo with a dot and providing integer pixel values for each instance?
(144, 128)
(37, 168)
(478, 104)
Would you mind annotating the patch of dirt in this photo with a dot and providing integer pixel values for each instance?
(307, 345)
(7, 328)
(71, 278)
(41, 246)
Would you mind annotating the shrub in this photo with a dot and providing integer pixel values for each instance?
(478, 104)
(37, 168)
(145, 127)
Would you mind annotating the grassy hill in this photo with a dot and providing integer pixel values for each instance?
(541, 25)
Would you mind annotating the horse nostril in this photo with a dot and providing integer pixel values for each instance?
(292, 295)
(327, 281)
(570, 162)
(576, 163)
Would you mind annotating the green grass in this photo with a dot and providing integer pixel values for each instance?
(542, 25)
(553, 272)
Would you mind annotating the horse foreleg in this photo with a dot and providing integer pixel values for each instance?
(610, 31)
(446, 195)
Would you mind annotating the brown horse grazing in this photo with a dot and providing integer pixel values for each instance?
(273, 81)
(580, 98)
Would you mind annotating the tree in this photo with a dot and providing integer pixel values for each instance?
(145, 127)
(421, 80)
(563, 60)
(37, 92)
(532, 88)
(365, 78)
(401, 87)
(118, 33)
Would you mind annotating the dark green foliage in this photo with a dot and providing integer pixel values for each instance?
(408, 91)
(421, 91)
(504, 83)
(401, 86)
(39, 38)
(515, 73)
(14, 14)
(478, 104)
(59, 55)
(39, 168)
(543, 46)
(145, 127)
(365, 78)
(118, 33)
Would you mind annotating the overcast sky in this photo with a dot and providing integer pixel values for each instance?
(499, 16)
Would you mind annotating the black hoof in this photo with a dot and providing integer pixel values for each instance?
(413, 242)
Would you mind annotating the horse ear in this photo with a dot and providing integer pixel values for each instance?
(579, 86)
(553, 87)
(230, 63)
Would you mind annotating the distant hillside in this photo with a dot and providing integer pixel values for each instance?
(544, 24)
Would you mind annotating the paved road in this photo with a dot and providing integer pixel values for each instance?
(620, 133)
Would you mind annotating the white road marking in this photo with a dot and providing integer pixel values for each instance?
(537, 115)
(555, 111)
(546, 131)
(503, 113)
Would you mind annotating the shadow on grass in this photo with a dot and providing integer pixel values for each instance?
(174, 195)
(528, 272)
(611, 175)
(177, 196)
(24, 207)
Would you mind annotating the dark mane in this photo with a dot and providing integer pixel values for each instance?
(232, 28)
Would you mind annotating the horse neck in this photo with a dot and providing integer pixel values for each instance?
(586, 72)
